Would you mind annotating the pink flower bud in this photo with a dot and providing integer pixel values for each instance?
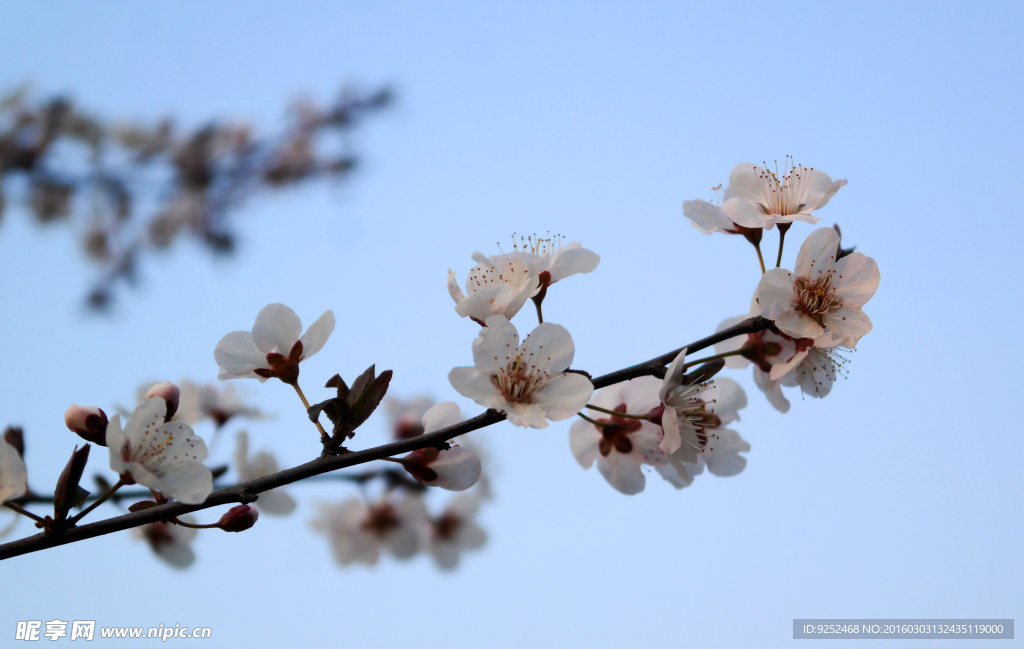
(169, 393)
(238, 519)
(88, 422)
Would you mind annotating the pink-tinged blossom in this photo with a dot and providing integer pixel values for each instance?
(456, 468)
(88, 422)
(359, 533)
(527, 382)
(621, 445)
(455, 531)
(760, 199)
(170, 542)
(164, 456)
(168, 392)
(273, 348)
(684, 410)
(547, 256)
(707, 442)
(493, 289)
(275, 502)
(821, 296)
(13, 473)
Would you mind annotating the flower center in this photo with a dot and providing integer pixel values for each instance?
(536, 245)
(485, 276)
(615, 432)
(446, 527)
(783, 193)
(518, 380)
(382, 520)
(816, 297)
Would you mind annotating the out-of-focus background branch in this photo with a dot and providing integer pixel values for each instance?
(128, 188)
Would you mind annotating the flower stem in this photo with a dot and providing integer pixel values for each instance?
(783, 228)
(616, 414)
(298, 391)
(586, 418)
(760, 258)
(735, 352)
(99, 501)
(208, 526)
(23, 512)
(540, 314)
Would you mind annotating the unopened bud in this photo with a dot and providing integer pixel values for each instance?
(169, 393)
(238, 519)
(88, 422)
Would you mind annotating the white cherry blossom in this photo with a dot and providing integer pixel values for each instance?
(13, 473)
(684, 411)
(620, 445)
(359, 533)
(207, 401)
(166, 457)
(821, 295)
(760, 199)
(527, 381)
(455, 469)
(275, 502)
(547, 256)
(273, 348)
(455, 531)
(493, 288)
(711, 444)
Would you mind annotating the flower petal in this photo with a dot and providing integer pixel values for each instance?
(441, 415)
(316, 336)
(457, 468)
(573, 259)
(817, 254)
(747, 214)
(13, 473)
(847, 325)
(237, 356)
(772, 390)
(453, 287)
(189, 482)
(551, 345)
(474, 384)
(276, 329)
(622, 471)
(584, 439)
(496, 345)
(798, 324)
(706, 217)
(775, 292)
(563, 396)
(857, 279)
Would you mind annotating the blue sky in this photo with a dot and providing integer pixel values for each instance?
(898, 496)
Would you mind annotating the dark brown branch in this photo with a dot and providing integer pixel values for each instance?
(247, 492)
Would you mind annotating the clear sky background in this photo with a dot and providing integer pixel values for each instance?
(898, 496)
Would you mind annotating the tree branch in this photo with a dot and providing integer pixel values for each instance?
(248, 492)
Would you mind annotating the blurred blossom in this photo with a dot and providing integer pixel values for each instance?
(358, 533)
(13, 473)
(405, 415)
(454, 469)
(455, 531)
(275, 502)
(170, 542)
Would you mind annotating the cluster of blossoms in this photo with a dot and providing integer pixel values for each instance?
(674, 420)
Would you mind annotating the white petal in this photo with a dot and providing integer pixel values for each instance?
(857, 278)
(116, 439)
(276, 329)
(780, 370)
(818, 252)
(237, 355)
(723, 453)
(189, 482)
(706, 217)
(670, 424)
(674, 477)
(441, 415)
(458, 469)
(830, 192)
(453, 288)
(276, 502)
(622, 471)
(584, 439)
(798, 324)
(519, 299)
(772, 390)
(745, 182)
(847, 324)
(524, 415)
(813, 185)
(563, 396)
(747, 214)
(673, 376)
(485, 302)
(571, 260)
(550, 346)
(473, 384)
(496, 345)
(148, 415)
(316, 336)
(775, 292)
(729, 399)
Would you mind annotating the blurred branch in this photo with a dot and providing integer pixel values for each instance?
(104, 174)
(248, 492)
